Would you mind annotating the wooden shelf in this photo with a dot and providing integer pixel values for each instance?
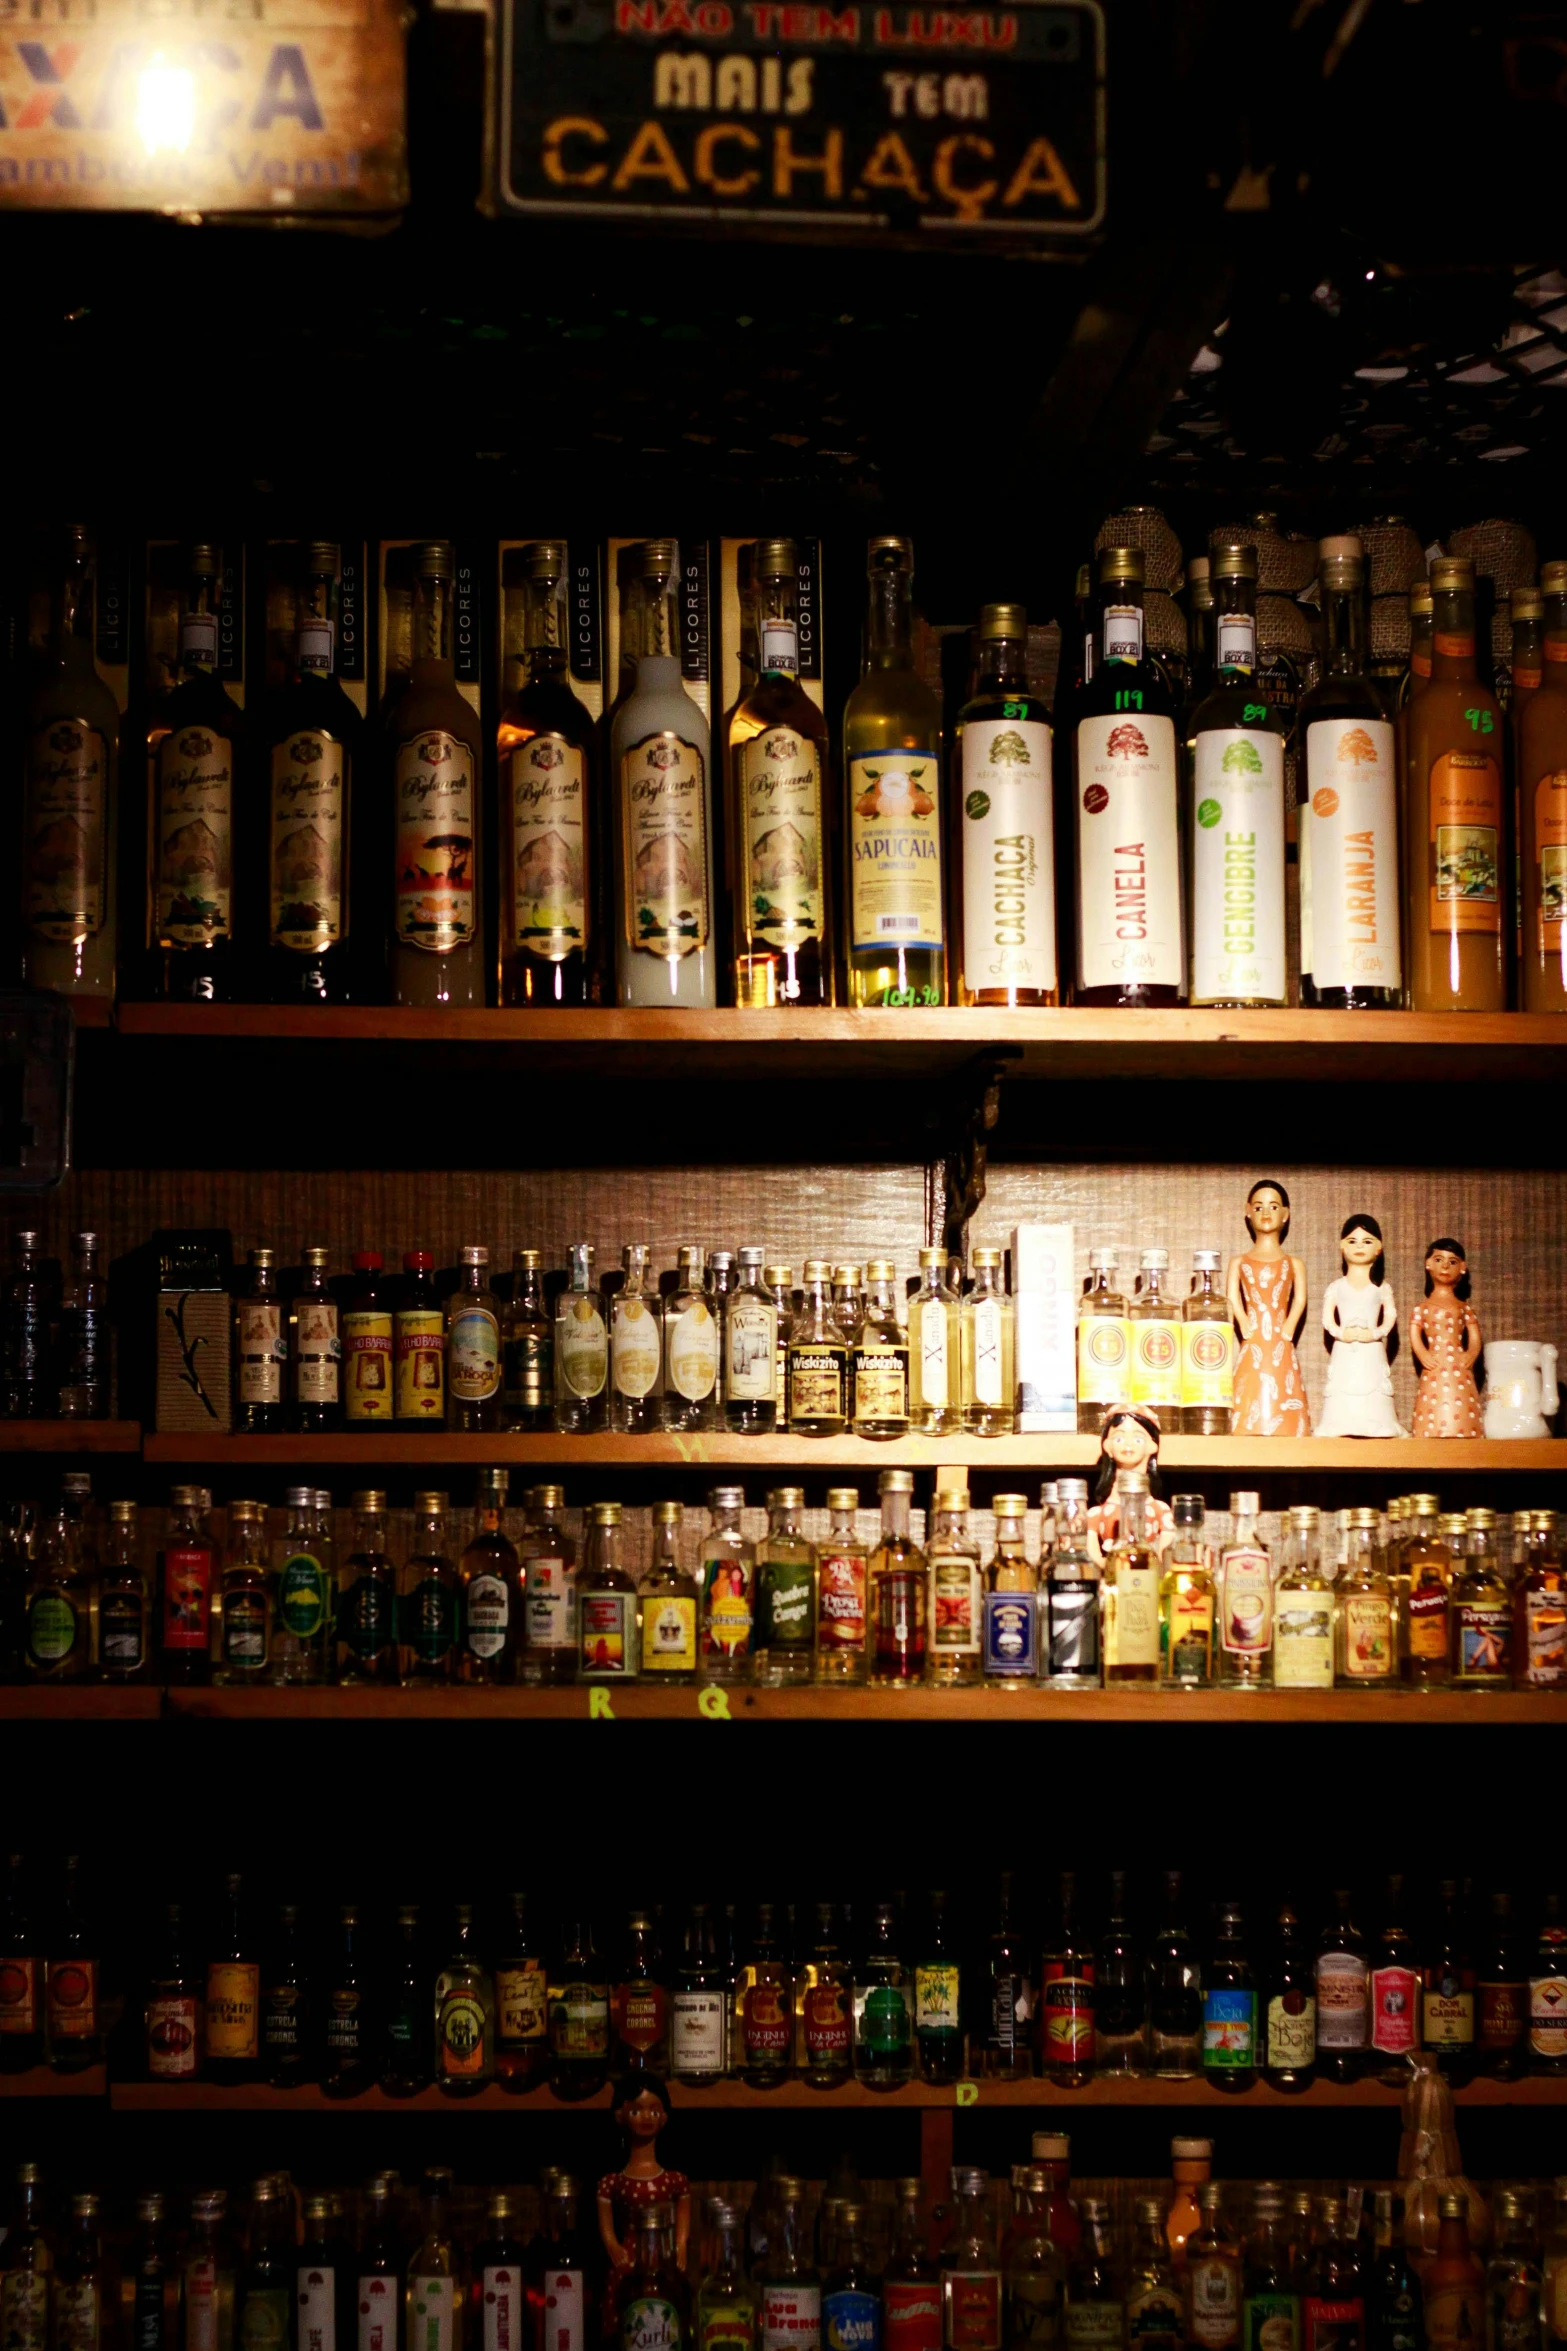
(1330, 1047)
(70, 1436)
(39, 2082)
(79, 1702)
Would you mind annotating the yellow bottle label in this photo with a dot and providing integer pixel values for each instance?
(669, 1633)
(895, 851)
(194, 802)
(233, 2000)
(309, 799)
(421, 1364)
(1465, 843)
(634, 1348)
(367, 1365)
(1134, 1620)
(1368, 1637)
(547, 870)
(781, 794)
(1303, 1640)
(1208, 1365)
(663, 805)
(63, 843)
(1156, 1363)
(1104, 1360)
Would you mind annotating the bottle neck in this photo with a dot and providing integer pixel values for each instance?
(778, 629)
(432, 621)
(889, 620)
(1003, 666)
(1343, 621)
(895, 1517)
(315, 631)
(1235, 628)
(1453, 636)
(199, 628)
(1121, 621)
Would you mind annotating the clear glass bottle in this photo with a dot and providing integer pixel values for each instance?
(1012, 1603)
(304, 1593)
(883, 2007)
(1428, 1564)
(778, 1280)
(1104, 1346)
(1000, 2041)
(1003, 826)
(898, 1592)
(880, 1370)
(1513, 2279)
(750, 1349)
(911, 2287)
(314, 1349)
(1235, 750)
(728, 1578)
(432, 2285)
(727, 2301)
(312, 737)
(1066, 1995)
(548, 842)
(1155, 2317)
(259, 1362)
(699, 2006)
(1270, 2282)
(206, 2314)
(196, 752)
(435, 752)
(1175, 2016)
(843, 1595)
(970, 2265)
(894, 891)
(68, 883)
(242, 1624)
(636, 1354)
(473, 1347)
(1481, 1617)
(1302, 1607)
(670, 1603)
(85, 1340)
(367, 1648)
(1186, 1601)
(1120, 1989)
(691, 1348)
(29, 1386)
(60, 1605)
(429, 1607)
(490, 1579)
(581, 1348)
(1074, 1658)
(818, 1360)
(1095, 2312)
(1350, 945)
(662, 787)
(577, 1997)
(527, 1348)
(1540, 1607)
(1245, 1600)
(1365, 1623)
(783, 1636)
(123, 1613)
(549, 1586)
(1131, 1591)
(1213, 2277)
(780, 825)
(935, 1349)
(955, 1616)
(986, 1329)
(1154, 1334)
(609, 1621)
(1207, 1339)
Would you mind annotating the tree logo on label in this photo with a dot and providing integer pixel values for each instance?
(1242, 759)
(1127, 742)
(1009, 750)
(1357, 748)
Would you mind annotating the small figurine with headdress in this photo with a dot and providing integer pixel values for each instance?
(1129, 1440)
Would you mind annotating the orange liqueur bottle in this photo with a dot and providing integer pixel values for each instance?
(1541, 736)
(1455, 862)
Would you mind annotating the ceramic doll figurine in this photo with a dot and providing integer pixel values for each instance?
(1267, 1294)
(1446, 1341)
(1128, 1441)
(1359, 1317)
(642, 2111)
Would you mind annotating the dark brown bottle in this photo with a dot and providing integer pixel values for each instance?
(1502, 1995)
(1289, 2020)
(1447, 1993)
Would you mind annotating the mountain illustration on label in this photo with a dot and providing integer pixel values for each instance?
(194, 852)
(549, 870)
(782, 854)
(305, 857)
(1242, 758)
(1010, 750)
(895, 793)
(1127, 742)
(1356, 748)
(58, 849)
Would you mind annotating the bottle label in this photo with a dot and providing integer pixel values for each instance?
(461, 2041)
(551, 1604)
(1011, 1637)
(930, 1334)
(781, 793)
(259, 1331)
(378, 2300)
(1104, 1360)
(1068, 2006)
(826, 2025)
(663, 801)
(881, 1383)
(840, 1602)
(1395, 1992)
(233, 2008)
(78, 2314)
(24, 2309)
(1208, 1366)
(883, 2022)
(579, 2020)
(1122, 633)
(649, 2323)
(1485, 1641)
(1447, 2014)
(1303, 1641)
(436, 845)
(1214, 2288)
(581, 1347)
(1343, 1986)
(281, 2022)
(194, 798)
(816, 1383)
(420, 1364)
(18, 1996)
(1136, 1620)
(1074, 1626)
(895, 884)
(1503, 2020)
(1455, 2316)
(954, 1597)
(988, 1370)
(697, 2033)
(245, 1631)
(669, 1633)
(1351, 818)
(1548, 2016)
(1248, 1602)
(1238, 866)
(1129, 856)
(785, 1591)
(1292, 2031)
(751, 1350)
(302, 1595)
(369, 1623)
(791, 2317)
(766, 2026)
(1235, 640)
(1009, 900)
(487, 1615)
(691, 1351)
(1189, 1633)
(851, 2322)
(546, 783)
(51, 1628)
(973, 2306)
(606, 1646)
(318, 1352)
(171, 2037)
(900, 1621)
(309, 803)
(1550, 836)
(63, 855)
(936, 1997)
(367, 1358)
(1464, 850)
(501, 2292)
(1156, 1363)
(1545, 1632)
(1425, 1614)
(780, 647)
(473, 1355)
(1368, 1636)
(202, 2306)
(187, 1595)
(521, 2003)
(432, 2314)
(563, 2326)
(1229, 2029)
(120, 1633)
(633, 1347)
(527, 1369)
(1094, 2326)
(1155, 2320)
(1270, 2322)
(264, 2317)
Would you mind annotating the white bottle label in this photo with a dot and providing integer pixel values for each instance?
(1351, 825)
(309, 805)
(691, 1351)
(781, 646)
(1238, 866)
(751, 1365)
(895, 883)
(988, 1313)
(432, 2314)
(581, 1347)
(933, 1337)
(663, 805)
(547, 864)
(378, 2313)
(550, 1609)
(791, 2318)
(1123, 633)
(1129, 857)
(634, 1347)
(502, 2296)
(317, 2303)
(696, 2032)
(1009, 888)
(565, 2311)
(1235, 641)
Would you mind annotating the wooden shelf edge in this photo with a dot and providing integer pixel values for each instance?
(39, 2082)
(70, 1436)
(67, 1702)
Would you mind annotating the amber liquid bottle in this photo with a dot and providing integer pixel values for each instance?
(780, 825)
(545, 767)
(1455, 848)
(433, 751)
(69, 799)
(312, 740)
(1540, 720)
(195, 747)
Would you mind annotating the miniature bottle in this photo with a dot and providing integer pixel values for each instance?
(956, 1609)
(669, 1603)
(1066, 1996)
(85, 1341)
(818, 1360)
(490, 1580)
(1012, 1607)
(1131, 1592)
(691, 1347)
(1540, 1608)
(1245, 1600)
(783, 1636)
(1075, 1653)
(527, 1348)
(312, 743)
(880, 1367)
(430, 1600)
(1154, 1330)
(314, 1349)
(935, 1349)
(636, 1358)
(1428, 1562)
(259, 1360)
(1343, 1994)
(1288, 2025)
(581, 1348)
(987, 1334)
(1480, 1618)
(1229, 2008)
(842, 1595)
(728, 1573)
(367, 1622)
(1186, 1601)
(304, 1595)
(750, 1351)
(369, 1394)
(473, 1348)
(1365, 1630)
(898, 1587)
(1104, 1347)
(1207, 1343)
(608, 1620)
(1302, 1608)
(883, 2008)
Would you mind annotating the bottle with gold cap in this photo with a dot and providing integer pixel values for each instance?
(1199, 630)
(1540, 724)
(430, 1604)
(1236, 750)
(879, 1367)
(1480, 1618)
(780, 826)
(433, 744)
(1350, 933)
(935, 1348)
(987, 1335)
(548, 850)
(660, 755)
(1455, 853)
(955, 1612)
(1003, 826)
(895, 891)
(68, 891)
(313, 739)
(1421, 625)
(1130, 925)
(195, 755)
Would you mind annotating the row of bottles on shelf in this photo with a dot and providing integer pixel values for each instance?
(1150, 870)
(881, 1993)
(1126, 1592)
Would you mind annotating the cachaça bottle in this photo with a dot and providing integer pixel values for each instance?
(1236, 751)
(436, 760)
(895, 894)
(1004, 826)
(313, 740)
(195, 750)
(1540, 722)
(1350, 949)
(547, 850)
(660, 752)
(1130, 938)
(1199, 630)
(780, 830)
(1455, 852)
(69, 798)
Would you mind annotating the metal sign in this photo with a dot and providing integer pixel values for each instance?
(982, 125)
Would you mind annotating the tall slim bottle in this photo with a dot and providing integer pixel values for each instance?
(195, 747)
(780, 827)
(548, 855)
(894, 891)
(1350, 946)
(70, 798)
(1130, 942)
(1540, 719)
(312, 743)
(1455, 854)
(1004, 826)
(1236, 750)
(436, 758)
(663, 799)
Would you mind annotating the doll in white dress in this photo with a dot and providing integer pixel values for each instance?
(1359, 1317)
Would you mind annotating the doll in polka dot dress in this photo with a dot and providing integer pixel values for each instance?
(1446, 1340)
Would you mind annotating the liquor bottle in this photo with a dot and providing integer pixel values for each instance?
(419, 1346)
(699, 2008)
(473, 1347)
(934, 1349)
(1130, 943)
(1095, 2314)
(818, 1360)
(464, 2014)
(286, 2031)
(348, 2035)
(727, 2300)
(1455, 859)
(379, 2284)
(1104, 1347)
(430, 1603)
(313, 739)
(368, 1391)
(578, 1999)
(823, 2004)
(1120, 1996)
(1155, 2312)
(173, 2010)
(1004, 826)
(1395, 1991)
(636, 1357)
(660, 754)
(1206, 1340)
(1012, 1612)
(434, 751)
(843, 1653)
(1074, 1655)
(306, 1595)
(430, 2287)
(763, 2024)
(560, 2264)
(1213, 2277)
(1547, 1991)
(1428, 1564)
(780, 827)
(1186, 1656)
(608, 1621)
(1539, 736)
(196, 751)
(21, 1975)
(851, 2304)
(791, 2296)
(527, 1348)
(70, 798)
(955, 1613)
(490, 1591)
(1447, 1999)
(691, 1348)
(1199, 630)
(497, 2291)
(233, 1996)
(1501, 1996)
(1000, 2038)
(1131, 1591)
(1365, 1642)
(547, 1649)
(1480, 1618)
(406, 2047)
(1540, 1607)
(264, 2286)
(1066, 1997)
(1454, 2282)
(27, 2265)
(242, 1622)
(911, 2283)
(186, 1580)
(1153, 1329)
(1289, 2034)
(938, 1997)
(1553, 2297)
(670, 1603)
(149, 2285)
(1270, 2296)
(879, 1371)
(73, 2027)
(895, 888)
(1302, 1607)
(85, 1341)
(899, 1581)
(79, 2312)
(883, 2008)
(988, 1338)
(581, 1348)
(1245, 1600)
(521, 2003)
(60, 1600)
(1512, 2276)
(783, 1635)
(1395, 2319)
(728, 1580)
(207, 2272)
(1333, 2306)
(1236, 749)
(970, 2268)
(778, 1281)
(750, 1351)
(1350, 948)
(549, 852)
(259, 1358)
(1229, 2007)
(312, 1350)
(1343, 1992)
(367, 1648)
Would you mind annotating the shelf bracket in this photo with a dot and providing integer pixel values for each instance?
(955, 1179)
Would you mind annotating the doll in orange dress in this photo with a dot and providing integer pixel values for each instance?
(1267, 1294)
(1445, 1338)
